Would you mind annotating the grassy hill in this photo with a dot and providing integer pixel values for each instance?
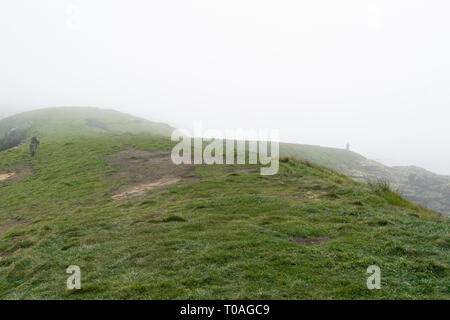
(337, 159)
(68, 122)
(416, 184)
(139, 228)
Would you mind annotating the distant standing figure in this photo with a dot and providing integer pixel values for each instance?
(33, 146)
(348, 146)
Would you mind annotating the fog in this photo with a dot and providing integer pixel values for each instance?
(375, 73)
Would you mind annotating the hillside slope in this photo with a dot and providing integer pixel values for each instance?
(68, 122)
(416, 184)
(139, 229)
(420, 186)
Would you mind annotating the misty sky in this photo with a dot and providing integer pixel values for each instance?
(326, 72)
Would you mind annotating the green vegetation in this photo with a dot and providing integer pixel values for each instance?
(337, 159)
(229, 233)
(56, 123)
(416, 184)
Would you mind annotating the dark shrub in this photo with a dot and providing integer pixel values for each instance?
(12, 138)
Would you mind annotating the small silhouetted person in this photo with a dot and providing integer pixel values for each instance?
(348, 146)
(33, 146)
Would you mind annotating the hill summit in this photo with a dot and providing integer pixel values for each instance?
(139, 227)
(65, 122)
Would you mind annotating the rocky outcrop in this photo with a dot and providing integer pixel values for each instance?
(423, 187)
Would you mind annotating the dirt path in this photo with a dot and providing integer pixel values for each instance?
(147, 170)
(4, 176)
(141, 189)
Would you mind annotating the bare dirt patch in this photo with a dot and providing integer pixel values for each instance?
(4, 176)
(14, 175)
(147, 170)
(310, 241)
(139, 190)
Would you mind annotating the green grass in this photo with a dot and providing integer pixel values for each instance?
(336, 159)
(383, 189)
(52, 124)
(225, 236)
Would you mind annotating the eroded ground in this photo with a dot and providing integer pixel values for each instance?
(14, 175)
(147, 170)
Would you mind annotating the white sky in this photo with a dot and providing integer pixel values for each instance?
(372, 73)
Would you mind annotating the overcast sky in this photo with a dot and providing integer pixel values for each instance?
(375, 73)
